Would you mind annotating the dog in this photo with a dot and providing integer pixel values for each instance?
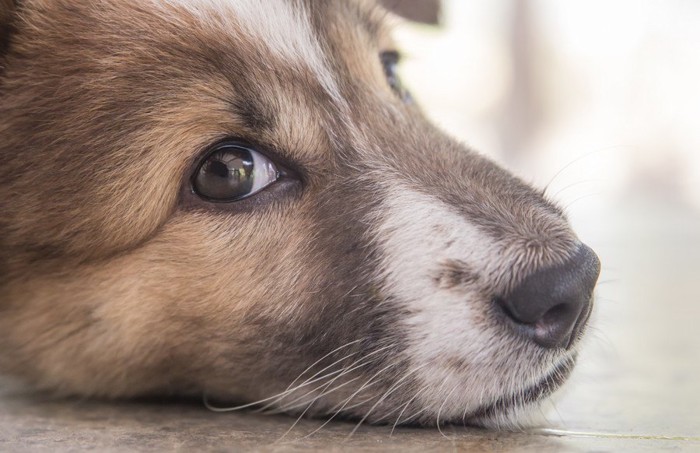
(238, 199)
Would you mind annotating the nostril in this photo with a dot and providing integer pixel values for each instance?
(549, 305)
(555, 313)
(556, 325)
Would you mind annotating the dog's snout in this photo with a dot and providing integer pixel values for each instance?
(551, 305)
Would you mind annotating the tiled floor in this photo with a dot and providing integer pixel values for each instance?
(636, 387)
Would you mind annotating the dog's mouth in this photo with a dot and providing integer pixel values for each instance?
(536, 392)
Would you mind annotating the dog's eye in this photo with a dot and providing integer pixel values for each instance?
(390, 61)
(232, 172)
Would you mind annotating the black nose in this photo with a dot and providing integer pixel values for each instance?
(552, 305)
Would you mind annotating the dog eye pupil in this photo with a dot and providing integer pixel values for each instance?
(233, 172)
(226, 174)
(218, 168)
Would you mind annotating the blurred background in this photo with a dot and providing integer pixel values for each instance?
(599, 102)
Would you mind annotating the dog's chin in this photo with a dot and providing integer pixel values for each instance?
(518, 410)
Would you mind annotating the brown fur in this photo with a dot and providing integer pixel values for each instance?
(116, 281)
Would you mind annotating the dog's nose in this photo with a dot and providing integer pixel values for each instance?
(551, 305)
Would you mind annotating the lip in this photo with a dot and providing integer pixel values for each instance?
(539, 391)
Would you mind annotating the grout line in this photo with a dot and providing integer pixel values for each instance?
(564, 433)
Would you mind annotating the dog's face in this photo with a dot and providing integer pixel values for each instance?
(238, 199)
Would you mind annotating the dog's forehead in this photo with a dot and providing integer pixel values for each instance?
(283, 27)
(298, 32)
(292, 62)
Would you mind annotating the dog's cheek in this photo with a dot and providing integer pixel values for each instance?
(167, 317)
(224, 284)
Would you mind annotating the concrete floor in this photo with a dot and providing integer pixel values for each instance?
(636, 387)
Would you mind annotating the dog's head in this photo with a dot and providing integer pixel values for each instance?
(239, 199)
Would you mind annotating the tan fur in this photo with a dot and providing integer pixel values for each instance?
(115, 281)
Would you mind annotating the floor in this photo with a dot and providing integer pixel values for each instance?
(636, 387)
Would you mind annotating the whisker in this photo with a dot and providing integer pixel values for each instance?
(365, 385)
(339, 410)
(296, 422)
(393, 428)
(582, 197)
(320, 360)
(441, 407)
(601, 337)
(575, 184)
(607, 282)
(444, 381)
(309, 381)
(398, 419)
(398, 384)
(556, 410)
(345, 371)
(323, 392)
(274, 398)
(308, 406)
(567, 166)
(415, 414)
(366, 401)
(213, 408)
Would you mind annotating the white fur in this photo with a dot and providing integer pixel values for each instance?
(450, 325)
(282, 26)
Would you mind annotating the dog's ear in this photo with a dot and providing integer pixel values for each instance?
(7, 13)
(424, 11)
